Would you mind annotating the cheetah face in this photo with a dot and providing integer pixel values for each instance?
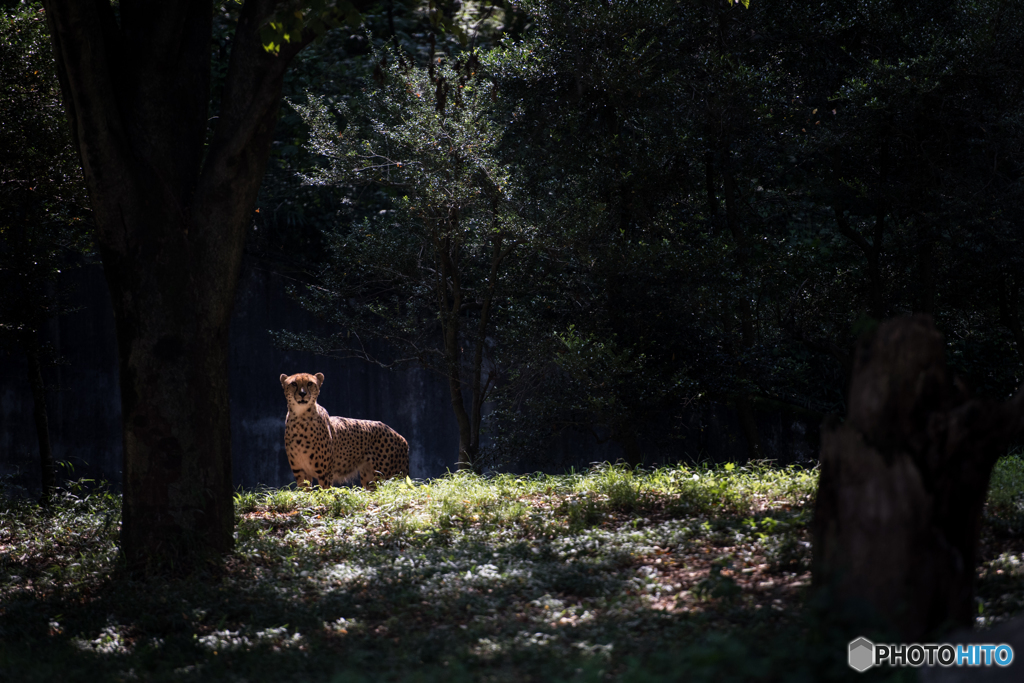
(301, 390)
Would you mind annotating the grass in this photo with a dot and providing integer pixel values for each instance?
(608, 574)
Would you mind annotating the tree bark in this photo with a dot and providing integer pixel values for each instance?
(39, 415)
(625, 437)
(925, 269)
(872, 253)
(709, 184)
(171, 212)
(449, 291)
(743, 404)
(1009, 312)
(903, 483)
(482, 385)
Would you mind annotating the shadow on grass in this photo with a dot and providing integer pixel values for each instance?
(611, 575)
(205, 629)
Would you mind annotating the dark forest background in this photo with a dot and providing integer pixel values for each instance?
(597, 219)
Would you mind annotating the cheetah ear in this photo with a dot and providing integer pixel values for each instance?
(319, 379)
(283, 378)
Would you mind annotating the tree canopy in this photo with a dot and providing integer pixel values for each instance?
(721, 198)
(44, 218)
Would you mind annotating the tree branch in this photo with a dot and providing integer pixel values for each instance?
(86, 45)
(847, 231)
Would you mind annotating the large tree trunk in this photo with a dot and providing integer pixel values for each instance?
(175, 422)
(171, 208)
(903, 482)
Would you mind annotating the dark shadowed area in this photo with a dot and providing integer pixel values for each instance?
(84, 401)
(84, 398)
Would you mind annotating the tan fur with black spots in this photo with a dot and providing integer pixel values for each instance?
(333, 449)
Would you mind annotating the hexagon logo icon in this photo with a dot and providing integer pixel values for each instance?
(862, 654)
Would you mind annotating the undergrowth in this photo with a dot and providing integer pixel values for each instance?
(608, 574)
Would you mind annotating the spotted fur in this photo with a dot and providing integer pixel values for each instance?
(333, 449)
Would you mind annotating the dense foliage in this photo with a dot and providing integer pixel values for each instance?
(715, 201)
(42, 197)
(43, 215)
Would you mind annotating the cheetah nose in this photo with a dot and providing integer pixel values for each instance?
(302, 392)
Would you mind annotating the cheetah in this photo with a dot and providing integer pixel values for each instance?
(333, 449)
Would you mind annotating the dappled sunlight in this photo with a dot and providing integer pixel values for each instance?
(508, 578)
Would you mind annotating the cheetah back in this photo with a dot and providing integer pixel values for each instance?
(369, 447)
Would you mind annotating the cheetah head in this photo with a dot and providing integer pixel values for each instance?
(301, 390)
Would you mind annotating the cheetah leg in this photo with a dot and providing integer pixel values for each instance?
(326, 481)
(302, 480)
(368, 476)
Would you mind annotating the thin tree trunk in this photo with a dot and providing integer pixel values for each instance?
(926, 270)
(903, 482)
(1009, 312)
(480, 385)
(872, 253)
(878, 307)
(875, 285)
(451, 306)
(709, 184)
(39, 415)
(743, 404)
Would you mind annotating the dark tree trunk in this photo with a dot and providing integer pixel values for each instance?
(748, 425)
(1009, 312)
(482, 383)
(171, 208)
(903, 482)
(627, 441)
(925, 270)
(449, 293)
(176, 426)
(35, 380)
(872, 253)
(743, 403)
(709, 184)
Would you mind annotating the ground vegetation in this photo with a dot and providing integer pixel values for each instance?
(613, 573)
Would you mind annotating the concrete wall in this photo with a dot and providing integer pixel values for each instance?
(84, 398)
(84, 401)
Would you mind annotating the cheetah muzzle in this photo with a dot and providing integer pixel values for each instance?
(332, 449)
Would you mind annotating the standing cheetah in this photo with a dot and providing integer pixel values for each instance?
(333, 449)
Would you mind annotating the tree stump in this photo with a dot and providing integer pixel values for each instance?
(903, 482)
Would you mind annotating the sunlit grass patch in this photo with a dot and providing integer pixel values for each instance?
(1006, 492)
(502, 578)
(1001, 562)
(622, 488)
(751, 488)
